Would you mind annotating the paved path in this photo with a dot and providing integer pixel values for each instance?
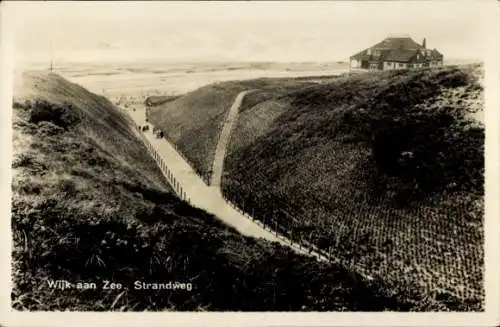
(189, 186)
(225, 135)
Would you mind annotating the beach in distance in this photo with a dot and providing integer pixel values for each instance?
(155, 77)
(136, 79)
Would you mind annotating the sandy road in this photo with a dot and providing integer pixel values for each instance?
(209, 198)
(220, 151)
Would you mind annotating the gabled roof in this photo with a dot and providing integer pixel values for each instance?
(362, 55)
(405, 43)
(390, 43)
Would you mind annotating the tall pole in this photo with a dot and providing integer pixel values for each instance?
(51, 57)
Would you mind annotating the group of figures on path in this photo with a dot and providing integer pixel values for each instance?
(156, 131)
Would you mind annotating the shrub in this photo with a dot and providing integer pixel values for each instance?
(429, 150)
(417, 148)
(68, 187)
(29, 162)
(17, 105)
(49, 128)
(23, 160)
(60, 115)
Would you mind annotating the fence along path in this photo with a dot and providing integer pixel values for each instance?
(191, 188)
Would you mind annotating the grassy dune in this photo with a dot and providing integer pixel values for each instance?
(156, 100)
(202, 113)
(384, 169)
(90, 205)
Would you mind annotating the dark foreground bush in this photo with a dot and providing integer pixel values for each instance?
(99, 249)
(60, 115)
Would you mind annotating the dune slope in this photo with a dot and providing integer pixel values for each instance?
(384, 169)
(194, 121)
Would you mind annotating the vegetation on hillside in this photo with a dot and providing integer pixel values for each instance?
(90, 205)
(423, 147)
(202, 112)
(383, 169)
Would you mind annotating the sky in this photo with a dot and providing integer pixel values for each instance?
(300, 31)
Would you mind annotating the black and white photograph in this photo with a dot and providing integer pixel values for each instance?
(248, 156)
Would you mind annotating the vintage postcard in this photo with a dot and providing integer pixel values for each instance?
(250, 163)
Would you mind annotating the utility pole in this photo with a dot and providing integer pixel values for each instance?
(51, 57)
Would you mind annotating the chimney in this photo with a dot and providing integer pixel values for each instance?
(423, 43)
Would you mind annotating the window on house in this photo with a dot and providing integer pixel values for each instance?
(410, 65)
